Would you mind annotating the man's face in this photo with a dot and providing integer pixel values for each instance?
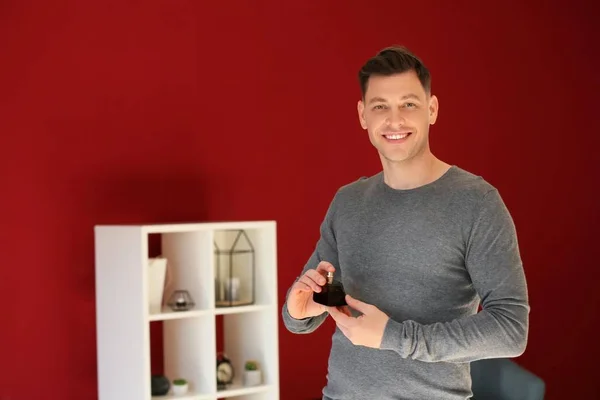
(397, 113)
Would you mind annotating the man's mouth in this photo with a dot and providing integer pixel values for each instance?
(397, 137)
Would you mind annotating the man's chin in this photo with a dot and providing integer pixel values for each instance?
(394, 158)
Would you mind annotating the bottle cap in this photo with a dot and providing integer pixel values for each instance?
(329, 277)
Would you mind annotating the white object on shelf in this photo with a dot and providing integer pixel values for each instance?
(157, 270)
(232, 286)
(179, 390)
(123, 315)
(252, 378)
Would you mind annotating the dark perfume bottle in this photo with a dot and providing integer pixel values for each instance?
(332, 293)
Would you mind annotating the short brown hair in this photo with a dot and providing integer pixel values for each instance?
(393, 60)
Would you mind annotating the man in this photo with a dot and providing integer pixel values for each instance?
(417, 247)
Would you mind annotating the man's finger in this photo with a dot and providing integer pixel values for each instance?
(325, 266)
(358, 305)
(303, 287)
(316, 277)
(310, 283)
(340, 318)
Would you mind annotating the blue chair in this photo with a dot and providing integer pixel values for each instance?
(503, 379)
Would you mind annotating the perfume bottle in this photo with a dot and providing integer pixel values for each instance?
(332, 293)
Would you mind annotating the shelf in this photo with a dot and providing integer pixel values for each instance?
(242, 309)
(234, 390)
(169, 314)
(187, 396)
(201, 226)
(139, 267)
(237, 389)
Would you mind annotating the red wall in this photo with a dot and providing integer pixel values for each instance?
(160, 111)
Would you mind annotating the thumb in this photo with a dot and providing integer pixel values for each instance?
(358, 305)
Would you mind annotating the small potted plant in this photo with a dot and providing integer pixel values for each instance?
(180, 386)
(252, 373)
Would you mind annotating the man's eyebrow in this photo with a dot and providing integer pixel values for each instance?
(377, 100)
(410, 96)
(405, 97)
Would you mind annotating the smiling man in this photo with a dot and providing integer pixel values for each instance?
(418, 248)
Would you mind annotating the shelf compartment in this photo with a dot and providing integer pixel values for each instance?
(235, 252)
(250, 336)
(185, 345)
(189, 257)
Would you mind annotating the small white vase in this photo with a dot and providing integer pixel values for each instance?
(178, 390)
(157, 270)
(252, 378)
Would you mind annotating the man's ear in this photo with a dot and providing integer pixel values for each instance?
(433, 109)
(360, 107)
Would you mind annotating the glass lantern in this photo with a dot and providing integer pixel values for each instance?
(234, 268)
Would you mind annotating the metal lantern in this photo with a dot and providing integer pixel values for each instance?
(234, 268)
(181, 300)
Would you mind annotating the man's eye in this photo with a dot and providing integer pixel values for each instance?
(410, 105)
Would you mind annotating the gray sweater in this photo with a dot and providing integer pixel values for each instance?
(427, 257)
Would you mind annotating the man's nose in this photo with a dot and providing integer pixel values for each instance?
(395, 119)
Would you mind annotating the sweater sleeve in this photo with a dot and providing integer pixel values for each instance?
(500, 329)
(325, 250)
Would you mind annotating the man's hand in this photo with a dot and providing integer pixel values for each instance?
(365, 330)
(300, 303)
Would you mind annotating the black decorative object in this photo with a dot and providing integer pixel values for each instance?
(181, 300)
(332, 293)
(235, 268)
(225, 372)
(160, 385)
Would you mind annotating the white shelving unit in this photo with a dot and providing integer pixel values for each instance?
(124, 317)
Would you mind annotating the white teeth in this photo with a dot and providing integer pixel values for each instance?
(396, 137)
